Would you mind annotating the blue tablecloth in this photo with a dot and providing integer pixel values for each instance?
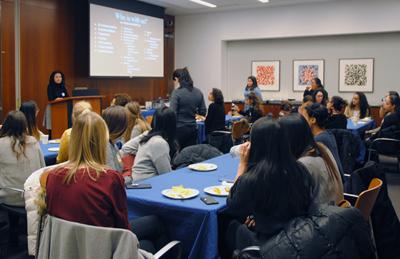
(359, 129)
(201, 130)
(50, 157)
(146, 113)
(189, 221)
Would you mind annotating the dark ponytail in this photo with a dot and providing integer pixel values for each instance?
(184, 78)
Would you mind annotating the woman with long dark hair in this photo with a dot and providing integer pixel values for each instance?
(268, 177)
(31, 110)
(215, 119)
(320, 97)
(154, 149)
(358, 108)
(253, 111)
(20, 155)
(187, 101)
(278, 192)
(328, 186)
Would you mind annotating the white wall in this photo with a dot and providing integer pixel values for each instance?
(201, 40)
(383, 47)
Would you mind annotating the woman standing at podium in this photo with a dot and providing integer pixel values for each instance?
(56, 90)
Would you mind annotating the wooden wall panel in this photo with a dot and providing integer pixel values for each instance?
(54, 35)
(7, 64)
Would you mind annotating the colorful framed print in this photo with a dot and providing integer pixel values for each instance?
(304, 71)
(267, 74)
(356, 75)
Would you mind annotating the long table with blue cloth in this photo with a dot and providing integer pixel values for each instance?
(191, 221)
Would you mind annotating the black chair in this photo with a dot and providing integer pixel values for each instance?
(221, 139)
(348, 147)
(10, 228)
(385, 151)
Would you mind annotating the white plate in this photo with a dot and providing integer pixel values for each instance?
(174, 195)
(53, 149)
(218, 190)
(204, 167)
(54, 141)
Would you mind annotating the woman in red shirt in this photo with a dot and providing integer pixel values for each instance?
(84, 189)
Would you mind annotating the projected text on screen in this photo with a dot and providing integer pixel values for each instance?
(125, 44)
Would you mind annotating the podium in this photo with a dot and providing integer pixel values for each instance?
(61, 111)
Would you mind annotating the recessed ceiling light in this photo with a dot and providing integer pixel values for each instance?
(204, 3)
(264, 1)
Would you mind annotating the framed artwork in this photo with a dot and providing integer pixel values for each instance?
(304, 71)
(356, 75)
(267, 74)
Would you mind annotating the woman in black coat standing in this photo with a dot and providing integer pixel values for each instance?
(56, 90)
(187, 101)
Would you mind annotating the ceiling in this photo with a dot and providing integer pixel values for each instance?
(184, 7)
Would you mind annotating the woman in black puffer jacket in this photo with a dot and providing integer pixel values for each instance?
(277, 190)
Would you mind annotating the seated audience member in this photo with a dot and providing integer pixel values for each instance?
(307, 100)
(391, 122)
(319, 161)
(382, 111)
(31, 110)
(320, 97)
(136, 123)
(286, 109)
(154, 150)
(316, 116)
(121, 99)
(79, 107)
(116, 118)
(358, 108)
(337, 119)
(215, 119)
(277, 191)
(87, 191)
(253, 111)
(20, 155)
(316, 84)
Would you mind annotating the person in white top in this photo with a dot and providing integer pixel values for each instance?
(20, 155)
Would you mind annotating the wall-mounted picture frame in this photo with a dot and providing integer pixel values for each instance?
(267, 74)
(356, 75)
(304, 70)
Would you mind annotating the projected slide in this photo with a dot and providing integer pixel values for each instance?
(125, 44)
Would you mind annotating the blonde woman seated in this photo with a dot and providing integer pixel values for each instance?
(79, 107)
(136, 123)
(86, 190)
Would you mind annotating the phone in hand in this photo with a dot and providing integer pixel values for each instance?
(209, 200)
(139, 186)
